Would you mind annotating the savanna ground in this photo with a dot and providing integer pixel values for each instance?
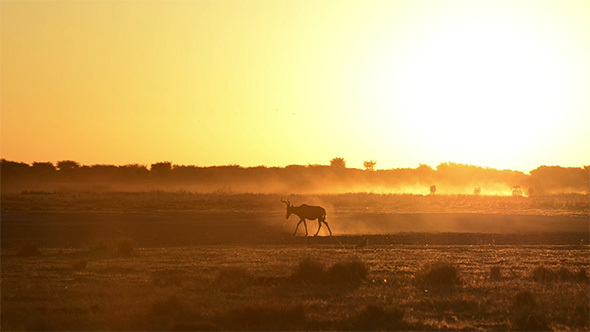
(186, 261)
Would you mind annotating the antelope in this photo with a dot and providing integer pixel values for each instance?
(309, 212)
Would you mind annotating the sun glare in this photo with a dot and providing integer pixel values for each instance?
(478, 85)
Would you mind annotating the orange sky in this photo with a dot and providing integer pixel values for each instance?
(502, 84)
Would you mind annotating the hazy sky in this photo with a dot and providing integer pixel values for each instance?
(504, 84)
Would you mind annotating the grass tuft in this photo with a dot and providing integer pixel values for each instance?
(234, 278)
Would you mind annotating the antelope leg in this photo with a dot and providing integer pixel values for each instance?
(328, 227)
(319, 226)
(296, 228)
(305, 224)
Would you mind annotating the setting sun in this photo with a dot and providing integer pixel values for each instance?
(492, 83)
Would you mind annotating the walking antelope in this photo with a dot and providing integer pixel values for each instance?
(309, 212)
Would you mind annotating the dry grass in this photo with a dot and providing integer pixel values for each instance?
(272, 288)
(28, 250)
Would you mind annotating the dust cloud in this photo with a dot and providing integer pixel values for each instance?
(447, 179)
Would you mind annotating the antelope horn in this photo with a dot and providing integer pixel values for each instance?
(287, 202)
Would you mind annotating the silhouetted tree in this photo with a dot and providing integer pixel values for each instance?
(369, 165)
(338, 163)
(161, 169)
(432, 189)
(67, 165)
(477, 191)
(11, 170)
(43, 171)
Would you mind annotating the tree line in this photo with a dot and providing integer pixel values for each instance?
(446, 178)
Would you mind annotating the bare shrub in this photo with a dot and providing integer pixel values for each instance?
(438, 275)
(526, 315)
(309, 271)
(495, 273)
(376, 318)
(124, 246)
(101, 248)
(545, 274)
(29, 250)
(348, 272)
(525, 298)
(351, 272)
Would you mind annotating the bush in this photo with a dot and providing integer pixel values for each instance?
(309, 271)
(375, 318)
(125, 247)
(524, 299)
(495, 273)
(526, 316)
(544, 274)
(352, 272)
(438, 275)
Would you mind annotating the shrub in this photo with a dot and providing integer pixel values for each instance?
(376, 318)
(101, 248)
(309, 271)
(524, 299)
(526, 316)
(495, 273)
(351, 272)
(544, 274)
(28, 250)
(124, 247)
(438, 275)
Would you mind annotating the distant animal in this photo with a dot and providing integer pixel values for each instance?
(308, 212)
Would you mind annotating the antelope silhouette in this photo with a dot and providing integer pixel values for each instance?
(309, 212)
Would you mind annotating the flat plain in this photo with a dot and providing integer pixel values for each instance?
(187, 261)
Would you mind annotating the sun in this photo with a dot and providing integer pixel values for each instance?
(480, 85)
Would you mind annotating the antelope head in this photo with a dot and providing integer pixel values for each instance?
(288, 208)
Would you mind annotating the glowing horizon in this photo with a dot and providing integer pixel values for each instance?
(497, 84)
